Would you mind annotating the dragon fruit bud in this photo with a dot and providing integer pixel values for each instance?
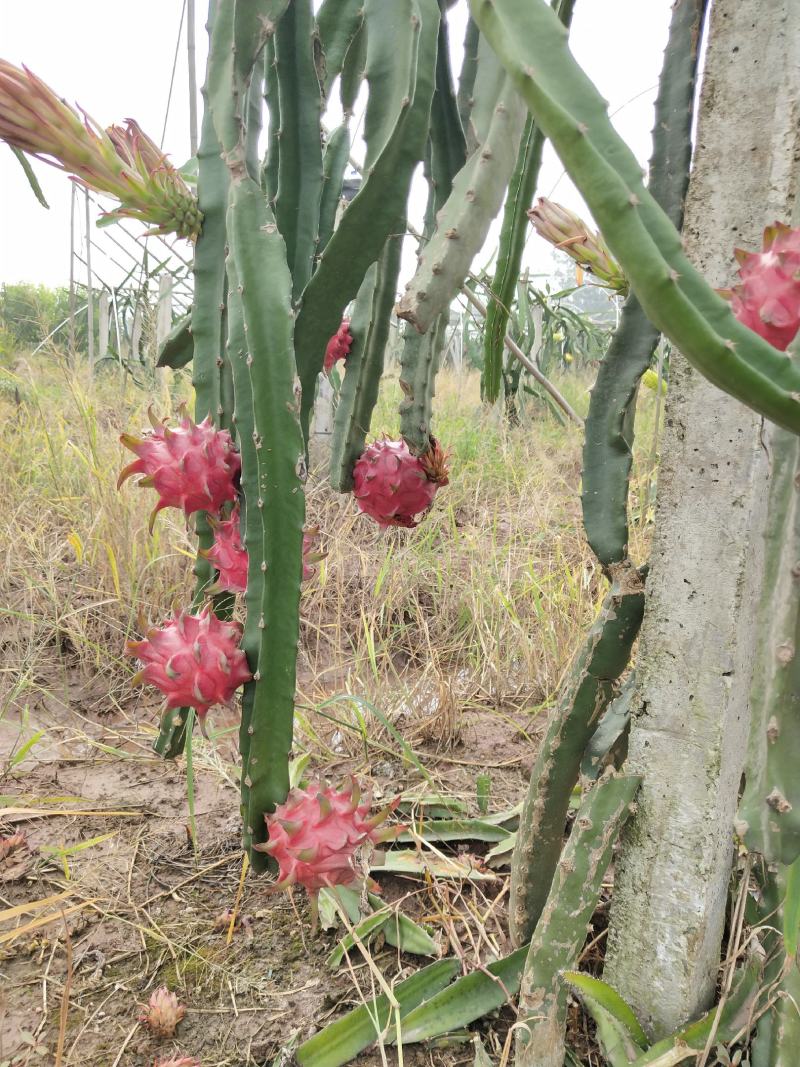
(567, 232)
(392, 485)
(228, 555)
(314, 835)
(339, 346)
(767, 300)
(193, 466)
(162, 1013)
(195, 660)
(311, 554)
(178, 1061)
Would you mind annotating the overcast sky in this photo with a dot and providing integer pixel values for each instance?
(116, 59)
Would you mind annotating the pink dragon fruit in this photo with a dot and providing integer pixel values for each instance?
(315, 833)
(194, 467)
(229, 556)
(338, 347)
(178, 1061)
(195, 660)
(768, 298)
(392, 485)
(162, 1013)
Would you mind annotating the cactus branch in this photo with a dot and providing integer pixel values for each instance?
(587, 691)
(565, 917)
(608, 447)
(521, 190)
(531, 43)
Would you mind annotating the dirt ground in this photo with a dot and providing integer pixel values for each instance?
(100, 927)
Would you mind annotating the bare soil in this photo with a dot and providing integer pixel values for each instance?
(141, 907)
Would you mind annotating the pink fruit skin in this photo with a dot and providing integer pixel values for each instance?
(163, 1012)
(195, 660)
(193, 467)
(230, 558)
(767, 300)
(315, 833)
(339, 346)
(391, 485)
(228, 555)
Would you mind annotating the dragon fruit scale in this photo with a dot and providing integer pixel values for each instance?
(392, 485)
(338, 347)
(195, 660)
(193, 466)
(315, 833)
(767, 299)
(178, 1061)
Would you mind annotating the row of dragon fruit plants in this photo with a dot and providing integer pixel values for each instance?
(286, 284)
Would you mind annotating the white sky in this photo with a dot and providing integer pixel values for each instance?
(115, 60)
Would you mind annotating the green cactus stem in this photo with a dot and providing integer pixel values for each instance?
(338, 23)
(586, 692)
(514, 230)
(532, 45)
(769, 812)
(448, 144)
(466, 81)
(400, 70)
(177, 348)
(778, 1036)
(260, 321)
(348, 432)
(269, 167)
(419, 364)
(608, 444)
(464, 220)
(203, 333)
(300, 159)
(334, 163)
(561, 931)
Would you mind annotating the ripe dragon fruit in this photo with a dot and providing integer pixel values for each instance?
(195, 660)
(229, 556)
(314, 835)
(768, 298)
(162, 1013)
(194, 466)
(338, 347)
(392, 485)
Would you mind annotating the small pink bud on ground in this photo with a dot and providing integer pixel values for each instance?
(162, 1013)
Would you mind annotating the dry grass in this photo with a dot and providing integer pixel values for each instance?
(453, 636)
